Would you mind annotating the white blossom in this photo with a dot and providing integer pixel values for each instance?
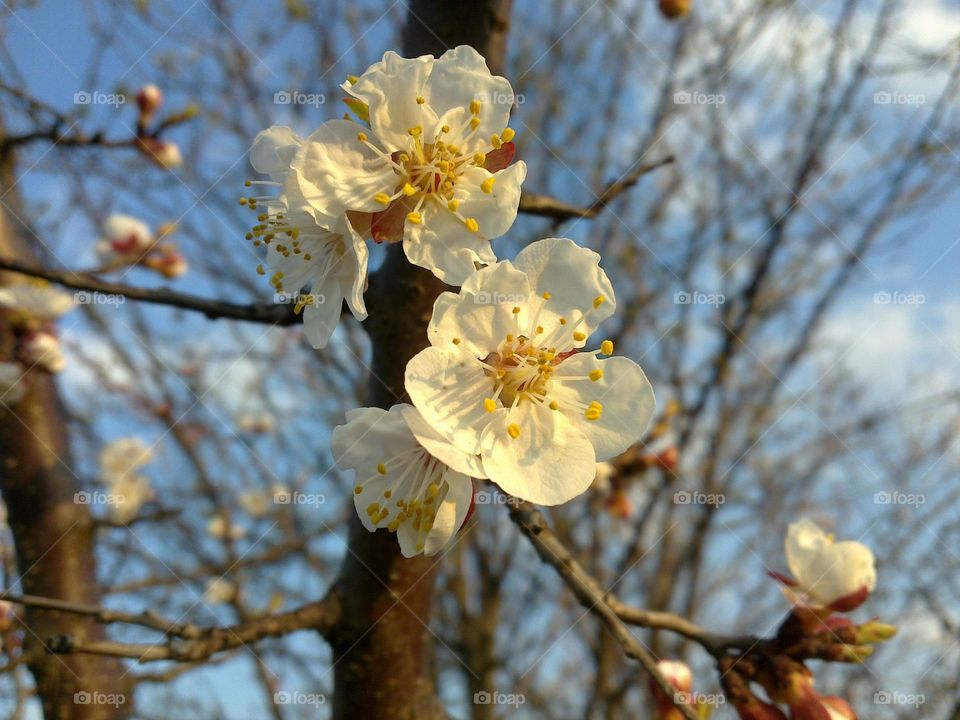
(409, 479)
(42, 350)
(125, 238)
(219, 590)
(826, 571)
(505, 378)
(37, 300)
(120, 462)
(433, 167)
(304, 248)
(220, 528)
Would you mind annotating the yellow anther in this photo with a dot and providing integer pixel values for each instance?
(382, 198)
(509, 337)
(598, 301)
(507, 135)
(260, 270)
(415, 218)
(382, 469)
(479, 158)
(358, 489)
(516, 310)
(453, 205)
(489, 404)
(563, 321)
(247, 183)
(554, 404)
(432, 490)
(606, 347)
(547, 296)
(243, 201)
(456, 341)
(445, 128)
(474, 107)
(579, 336)
(513, 430)
(362, 137)
(352, 79)
(592, 413)
(539, 329)
(388, 494)
(595, 374)
(496, 141)
(421, 99)
(487, 185)
(373, 508)
(474, 123)
(415, 131)
(394, 525)
(472, 224)
(409, 189)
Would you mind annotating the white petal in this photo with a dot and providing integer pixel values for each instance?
(824, 570)
(445, 246)
(461, 75)
(353, 269)
(273, 150)
(391, 88)
(336, 172)
(481, 315)
(320, 317)
(448, 389)
(550, 462)
(496, 211)
(624, 391)
(369, 437)
(573, 277)
(451, 512)
(438, 446)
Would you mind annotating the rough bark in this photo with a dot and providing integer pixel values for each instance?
(383, 645)
(53, 535)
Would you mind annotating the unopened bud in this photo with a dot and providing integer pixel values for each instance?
(149, 99)
(874, 632)
(162, 152)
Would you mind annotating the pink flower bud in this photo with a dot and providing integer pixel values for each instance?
(149, 99)
(162, 152)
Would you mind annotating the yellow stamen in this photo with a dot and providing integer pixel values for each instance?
(474, 107)
(382, 469)
(382, 198)
(606, 347)
(487, 185)
(352, 79)
(513, 430)
(579, 336)
(472, 224)
(453, 205)
(421, 99)
(598, 301)
(408, 189)
(507, 135)
(595, 374)
(415, 218)
(362, 137)
(489, 405)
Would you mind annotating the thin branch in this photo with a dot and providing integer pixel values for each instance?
(589, 593)
(266, 313)
(546, 206)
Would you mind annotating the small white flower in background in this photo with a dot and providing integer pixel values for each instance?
(504, 379)
(37, 300)
(120, 462)
(826, 571)
(42, 350)
(325, 255)
(601, 481)
(258, 423)
(149, 100)
(12, 389)
(433, 167)
(677, 674)
(222, 529)
(260, 503)
(164, 153)
(219, 591)
(125, 238)
(167, 260)
(408, 478)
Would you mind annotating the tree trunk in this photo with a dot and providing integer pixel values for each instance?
(53, 535)
(382, 646)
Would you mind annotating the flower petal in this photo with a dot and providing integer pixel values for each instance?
(336, 172)
(623, 391)
(573, 277)
(499, 159)
(451, 513)
(548, 463)
(460, 76)
(438, 446)
(273, 150)
(391, 88)
(370, 436)
(481, 314)
(448, 389)
(445, 246)
(496, 211)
